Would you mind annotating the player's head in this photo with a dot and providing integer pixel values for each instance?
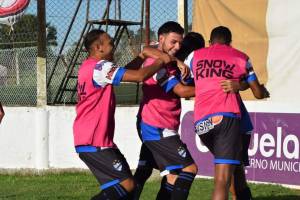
(220, 34)
(170, 36)
(99, 44)
(191, 41)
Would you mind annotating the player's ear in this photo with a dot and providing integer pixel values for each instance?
(161, 38)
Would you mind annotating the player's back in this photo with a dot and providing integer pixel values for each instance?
(210, 66)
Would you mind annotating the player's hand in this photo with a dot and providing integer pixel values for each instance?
(184, 69)
(265, 91)
(230, 86)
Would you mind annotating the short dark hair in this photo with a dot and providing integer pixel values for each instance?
(170, 27)
(221, 33)
(191, 41)
(91, 37)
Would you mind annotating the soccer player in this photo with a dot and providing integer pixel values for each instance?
(94, 123)
(2, 113)
(217, 114)
(158, 121)
(191, 42)
(239, 187)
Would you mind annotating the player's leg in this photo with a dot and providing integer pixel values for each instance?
(224, 141)
(240, 182)
(171, 154)
(112, 172)
(232, 188)
(143, 171)
(166, 187)
(145, 165)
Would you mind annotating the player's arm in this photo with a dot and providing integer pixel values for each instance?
(234, 86)
(106, 72)
(258, 90)
(2, 113)
(155, 53)
(184, 91)
(143, 73)
(138, 61)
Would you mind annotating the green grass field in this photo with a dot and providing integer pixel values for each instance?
(82, 185)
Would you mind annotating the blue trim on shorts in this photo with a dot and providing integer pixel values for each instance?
(150, 133)
(172, 167)
(119, 75)
(227, 161)
(225, 114)
(86, 148)
(109, 184)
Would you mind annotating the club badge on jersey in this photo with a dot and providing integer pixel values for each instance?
(205, 126)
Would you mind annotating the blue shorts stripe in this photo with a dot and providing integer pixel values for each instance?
(172, 167)
(109, 184)
(227, 161)
(87, 148)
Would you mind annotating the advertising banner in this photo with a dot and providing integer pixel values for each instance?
(273, 152)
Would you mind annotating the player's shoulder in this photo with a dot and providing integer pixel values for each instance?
(105, 65)
(240, 54)
(89, 62)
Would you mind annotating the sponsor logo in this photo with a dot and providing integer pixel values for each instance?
(81, 91)
(214, 68)
(111, 72)
(205, 126)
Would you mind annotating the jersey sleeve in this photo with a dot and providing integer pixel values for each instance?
(250, 75)
(166, 80)
(106, 72)
(189, 62)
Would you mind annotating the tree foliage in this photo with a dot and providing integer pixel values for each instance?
(24, 33)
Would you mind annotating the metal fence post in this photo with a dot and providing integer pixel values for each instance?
(41, 57)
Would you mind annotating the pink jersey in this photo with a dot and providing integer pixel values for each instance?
(210, 66)
(94, 124)
(160, 107)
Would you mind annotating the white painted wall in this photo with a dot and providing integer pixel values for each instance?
(19, 131)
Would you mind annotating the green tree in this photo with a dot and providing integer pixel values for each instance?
(24, 33)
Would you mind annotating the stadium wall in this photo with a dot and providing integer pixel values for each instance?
(20, 142)
(34, 138)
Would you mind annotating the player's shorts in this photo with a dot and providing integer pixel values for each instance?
(223, 138)
(166, 151)
(108, 165)
(146, 158)
(246, 138)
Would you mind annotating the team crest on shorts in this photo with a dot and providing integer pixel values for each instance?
(117, 165)
(181, 151)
